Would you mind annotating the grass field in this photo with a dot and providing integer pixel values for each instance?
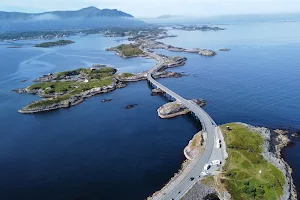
(129, 50)
(247, 174)
(69, 88)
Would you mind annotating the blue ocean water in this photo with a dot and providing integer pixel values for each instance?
(103, 151)
(94, 150)
(257, 82)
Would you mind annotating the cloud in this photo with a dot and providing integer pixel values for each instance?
(46, 16)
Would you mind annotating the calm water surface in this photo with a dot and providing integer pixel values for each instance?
(103, 151)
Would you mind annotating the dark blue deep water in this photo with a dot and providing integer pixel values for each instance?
(103, 151)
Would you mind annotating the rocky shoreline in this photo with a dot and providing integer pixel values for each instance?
(153, 44)
(174, 109)
(83, 75)
(273, 144)
(127, 51)
(73, 100)
(192, 151)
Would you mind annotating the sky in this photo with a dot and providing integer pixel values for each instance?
(154, 8)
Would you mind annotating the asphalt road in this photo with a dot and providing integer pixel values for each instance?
(209, 126)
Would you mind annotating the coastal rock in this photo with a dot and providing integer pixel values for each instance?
(152, 44)
(171, 108)
(43, 108)
(281, 132)
(130, 106)
(20, 90)
(98, 65)
(206, 52)
(106, 100)
(157, 91)
(167, 74)
(46, 78)
(295, 135)
(195, 147)
(174, 109)
(224, 49)
(136, 77)
(201, 191)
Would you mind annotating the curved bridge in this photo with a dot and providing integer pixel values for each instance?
(209, 131)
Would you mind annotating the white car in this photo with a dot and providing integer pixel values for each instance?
(203, 174)
(206, 166)
(216, 162)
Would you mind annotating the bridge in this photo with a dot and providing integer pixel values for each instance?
(210, 132)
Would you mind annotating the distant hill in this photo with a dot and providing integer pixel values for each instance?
(85, 18)
(83, 13)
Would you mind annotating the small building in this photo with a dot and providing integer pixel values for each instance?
(86, 80)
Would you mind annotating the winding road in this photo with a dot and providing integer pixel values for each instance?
(209, 129)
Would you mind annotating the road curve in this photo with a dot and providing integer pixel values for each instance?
(209, 127)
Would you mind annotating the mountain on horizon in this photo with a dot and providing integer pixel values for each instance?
(86, 18)
(88, 12)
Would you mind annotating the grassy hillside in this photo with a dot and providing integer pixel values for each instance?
(247, 174)
(129, 50)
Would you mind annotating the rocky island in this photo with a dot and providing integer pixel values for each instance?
(153, 44)
(53, 44)
(224, 49)
(69, 88)
(127, 50)
(197, 28)
(174, 109)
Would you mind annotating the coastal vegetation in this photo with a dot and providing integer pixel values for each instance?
(126, 75)
(247, 174)
(52, 44)
(59, 89)
(128, 50)
(68, 87)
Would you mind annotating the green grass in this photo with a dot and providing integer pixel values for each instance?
(69, 89)
(97, 78)
(129, 50)
(65, 87)
(126, 75)
(100, 73)
(209, 181)
(243, 164)
(91, 74)
(52, 44)
(69, 73)
(48, 102)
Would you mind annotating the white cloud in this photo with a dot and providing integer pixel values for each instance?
(47, 16)
(160, 7)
